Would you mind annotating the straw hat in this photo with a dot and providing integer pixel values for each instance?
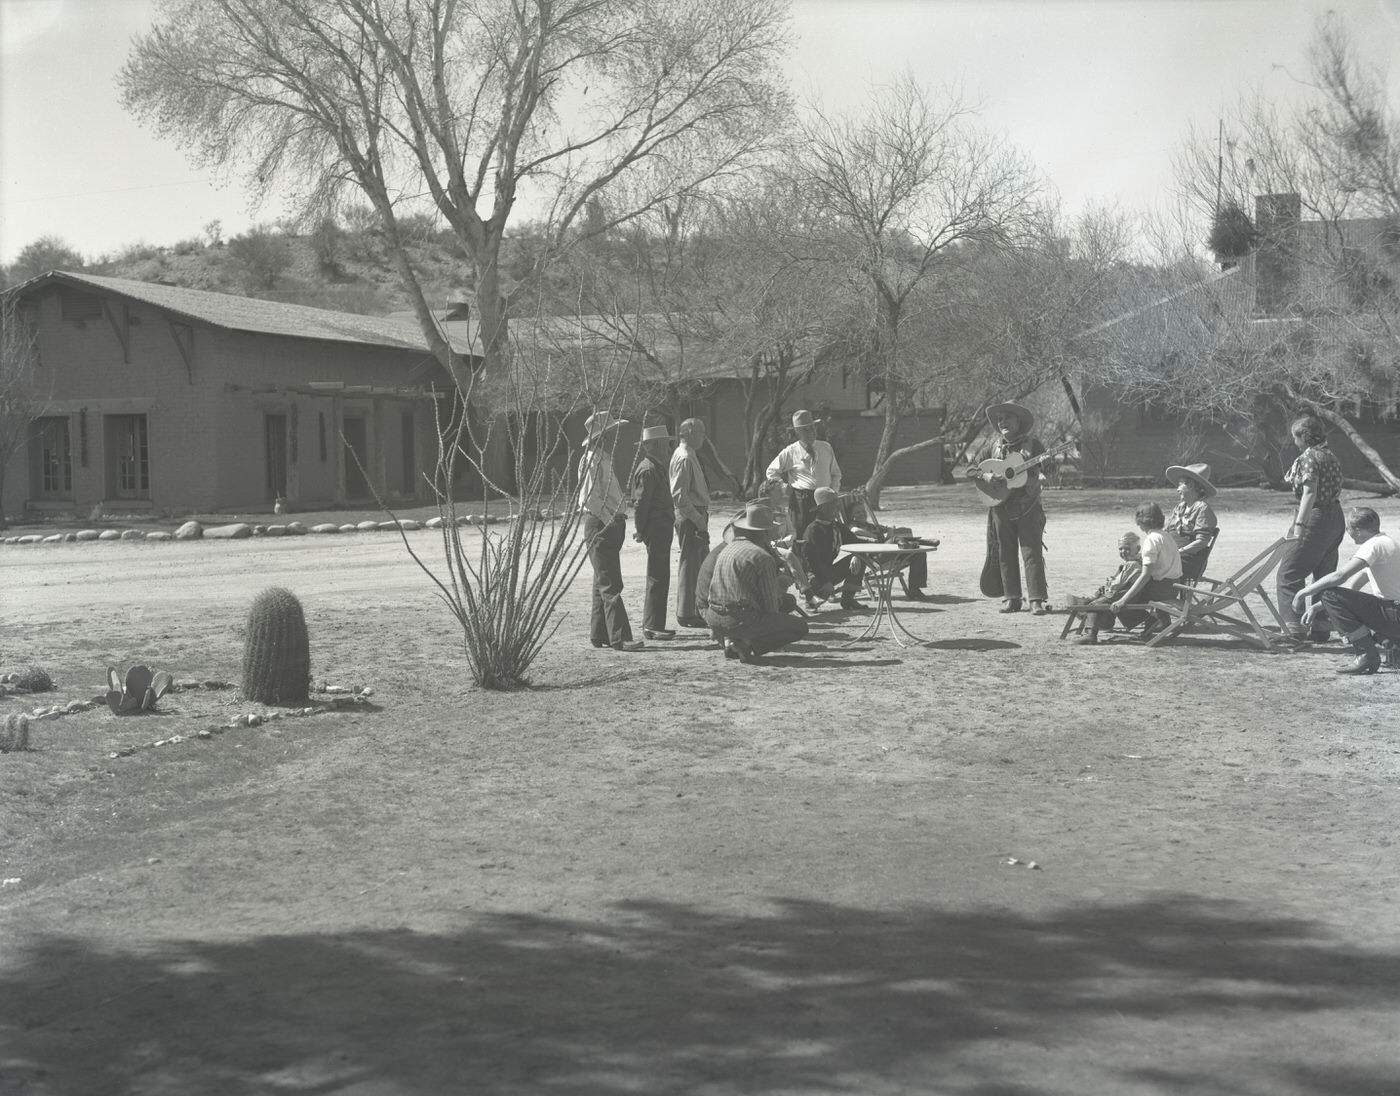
(656, 433)
(1199, 474)
(758, 518)
(1023, 416)
(802, 418)
(600, 422)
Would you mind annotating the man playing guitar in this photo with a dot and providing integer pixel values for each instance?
(1016, 524)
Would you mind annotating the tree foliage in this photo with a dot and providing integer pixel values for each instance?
(43, 255)
(20, 399)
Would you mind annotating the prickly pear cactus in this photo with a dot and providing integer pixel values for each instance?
(14, 733)
(276, 654)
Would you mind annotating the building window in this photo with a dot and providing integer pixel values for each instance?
(51, 456)
(79, 306)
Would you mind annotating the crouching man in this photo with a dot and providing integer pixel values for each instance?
(744, 596)
(1362, 618)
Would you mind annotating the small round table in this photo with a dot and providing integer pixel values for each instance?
(883, 562)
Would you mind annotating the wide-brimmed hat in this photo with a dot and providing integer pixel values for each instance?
(1199, 474)
(758, 518)
(824, 494)
(802, 418)
(656, 433)
(601, 421)
(1023, 415)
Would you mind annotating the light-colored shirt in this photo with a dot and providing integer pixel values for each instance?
(805, 469)
(1160, 559)
(690, 493)
(598, 490)
(1382, 558)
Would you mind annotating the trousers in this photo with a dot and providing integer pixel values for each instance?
(695, 545)
(1362, 618)
(608, 623)
(1314, 554)
(1021, 541)
(657, 537)
(763, 632)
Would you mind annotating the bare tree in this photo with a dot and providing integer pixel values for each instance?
(903, 189)
(43, 255)
(469, 106)
(20, 399)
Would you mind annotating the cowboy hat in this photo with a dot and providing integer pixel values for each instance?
(1199, 474)
(1023, 416)
(600, 421)
(656, 433)
(758, 518)
(802, 418)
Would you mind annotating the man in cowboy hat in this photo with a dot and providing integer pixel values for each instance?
(745, 598)
(653, 518)
(690, 496)
(604, 528)
(805, 465)
(821, 546)
(1192, 523)
(1016, 525)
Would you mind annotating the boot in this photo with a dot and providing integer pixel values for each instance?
(1367, 661)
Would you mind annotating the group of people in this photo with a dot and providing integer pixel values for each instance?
(728, 590)
(737, 589)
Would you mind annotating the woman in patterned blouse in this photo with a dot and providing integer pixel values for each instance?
(1318, 527)
(1193, 523)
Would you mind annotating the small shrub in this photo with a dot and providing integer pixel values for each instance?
(32, 679)
(14, 734)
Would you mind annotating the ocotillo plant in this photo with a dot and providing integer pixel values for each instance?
(277, 653)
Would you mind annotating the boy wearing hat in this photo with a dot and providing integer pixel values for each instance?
(1016, 525)
(690, 495)
(604, 528)
(653, 519)
(745, 597)
(820, 547)
(1192, 523)
(803, 466)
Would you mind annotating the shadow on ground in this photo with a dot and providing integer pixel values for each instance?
(666, 998)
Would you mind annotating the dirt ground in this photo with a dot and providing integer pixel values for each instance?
(665, 872)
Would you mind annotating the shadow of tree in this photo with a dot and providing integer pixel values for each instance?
(664, 997)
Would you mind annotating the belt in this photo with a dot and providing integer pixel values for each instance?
(733, 608)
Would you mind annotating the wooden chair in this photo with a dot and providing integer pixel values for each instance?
(1194, 565)
(1220, 606)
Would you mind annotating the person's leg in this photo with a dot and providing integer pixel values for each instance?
(1031, 530)
(593, 531)
(1332, 527)
(916, 578)
(1304, 557)
(694, 546)
(767, 633)
(658, 588)
(608, 568)
(1008, 557)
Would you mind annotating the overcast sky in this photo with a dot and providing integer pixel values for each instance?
(1097, 92)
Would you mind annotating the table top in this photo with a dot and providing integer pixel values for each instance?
(876, 552)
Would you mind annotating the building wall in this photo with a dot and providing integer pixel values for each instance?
(206, 426)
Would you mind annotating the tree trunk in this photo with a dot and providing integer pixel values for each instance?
(889, 346)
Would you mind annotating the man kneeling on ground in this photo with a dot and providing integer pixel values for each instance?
(1361, 617)
(744, 596)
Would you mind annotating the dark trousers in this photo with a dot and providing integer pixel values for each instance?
(1313, 554)
(657, 537)
(763, 632)
(801, 511)
(1135, 612)
(1362, 618)
(1020, 536)
(695, 546)
(609, 624)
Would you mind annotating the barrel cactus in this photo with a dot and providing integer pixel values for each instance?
(277, 654)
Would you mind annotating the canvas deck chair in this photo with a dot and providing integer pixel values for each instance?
(1221, 606)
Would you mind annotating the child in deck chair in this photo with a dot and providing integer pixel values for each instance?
(1161, 567)
(1121, 581)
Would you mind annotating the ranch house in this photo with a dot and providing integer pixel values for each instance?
(159, 398)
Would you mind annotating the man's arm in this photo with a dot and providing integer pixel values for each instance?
(644, 490)
(1326, 582)
(776, 469)
(835, 471)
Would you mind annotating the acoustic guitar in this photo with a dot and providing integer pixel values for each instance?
(999, 478)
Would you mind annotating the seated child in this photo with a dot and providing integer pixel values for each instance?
(1161, 568)
(1121, 581)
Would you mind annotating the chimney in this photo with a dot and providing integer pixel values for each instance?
(1277, 218)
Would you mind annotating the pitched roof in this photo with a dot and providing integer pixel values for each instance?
(234, 313)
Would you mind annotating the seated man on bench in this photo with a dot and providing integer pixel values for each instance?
(821, 545)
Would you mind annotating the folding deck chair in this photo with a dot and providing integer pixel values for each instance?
(1220, 607)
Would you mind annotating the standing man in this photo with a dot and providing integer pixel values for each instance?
(1016, 525)
(804, 466)
(653, 517)
(690, 495)
(604, 528)
(745, 599)
(1361, 617)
